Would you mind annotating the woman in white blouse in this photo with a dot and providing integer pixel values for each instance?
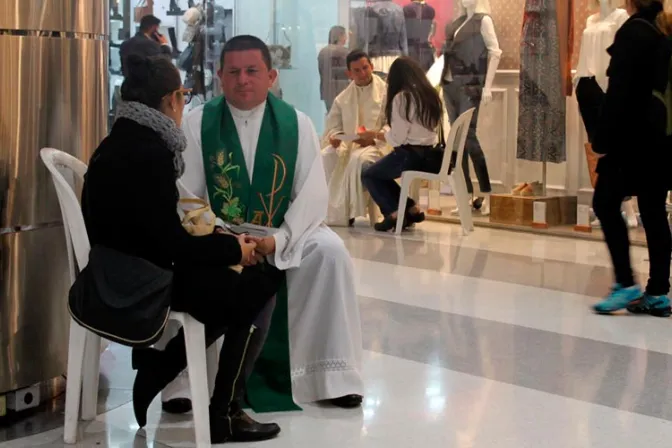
(413, 112)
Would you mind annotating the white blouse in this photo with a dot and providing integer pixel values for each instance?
(597, 37)
(404, 132)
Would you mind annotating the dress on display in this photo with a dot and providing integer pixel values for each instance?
(542, 103)
(419, 19)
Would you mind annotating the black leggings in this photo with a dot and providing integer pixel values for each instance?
(609, 194)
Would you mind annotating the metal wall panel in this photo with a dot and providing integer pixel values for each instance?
(54, 57)
(80, 16)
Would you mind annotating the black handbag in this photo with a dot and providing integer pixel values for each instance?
(122, 298)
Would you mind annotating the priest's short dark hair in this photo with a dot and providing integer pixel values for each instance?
(246, 43)
(356, 55)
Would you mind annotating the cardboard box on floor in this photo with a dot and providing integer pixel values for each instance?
(519, 210)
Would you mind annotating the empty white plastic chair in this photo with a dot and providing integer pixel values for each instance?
(455, 143)
(84, 346)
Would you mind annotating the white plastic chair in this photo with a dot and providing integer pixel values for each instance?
(84, 346)
(457, 139)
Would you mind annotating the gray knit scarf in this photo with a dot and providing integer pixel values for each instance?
(161, 124)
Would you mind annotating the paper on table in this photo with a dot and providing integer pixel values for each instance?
(435, 72)
(346, 137)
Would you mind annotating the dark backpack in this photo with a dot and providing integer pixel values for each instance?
(661, 106)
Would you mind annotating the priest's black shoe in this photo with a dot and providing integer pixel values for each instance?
(176, 406)
(348, 401)
(237, 426)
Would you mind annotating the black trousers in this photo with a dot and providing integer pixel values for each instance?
(609, 194)
(379, 178)
(590, 96)
(457, 102)
(245, 320)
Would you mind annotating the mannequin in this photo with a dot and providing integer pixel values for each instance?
(420, 27)
(471, 57)
(591, 73)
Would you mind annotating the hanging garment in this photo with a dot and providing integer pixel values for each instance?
(542, 103)
(597, 37)
(419, 19)
(386, 29)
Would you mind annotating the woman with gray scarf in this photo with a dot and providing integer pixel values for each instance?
(130, 204)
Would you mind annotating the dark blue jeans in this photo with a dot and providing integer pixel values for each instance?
(379, 178)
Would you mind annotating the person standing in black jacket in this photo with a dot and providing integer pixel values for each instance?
(147, 42)
(635, 157)
(130, 204)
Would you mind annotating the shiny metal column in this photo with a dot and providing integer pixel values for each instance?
(53, 92)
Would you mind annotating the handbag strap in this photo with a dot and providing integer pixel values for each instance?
(196, 213)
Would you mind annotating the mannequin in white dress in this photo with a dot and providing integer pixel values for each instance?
(591, 73)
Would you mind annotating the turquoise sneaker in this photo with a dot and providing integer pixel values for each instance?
(620, 298)
(658, 306)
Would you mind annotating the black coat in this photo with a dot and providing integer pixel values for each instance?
(629, 131)
(130, 203)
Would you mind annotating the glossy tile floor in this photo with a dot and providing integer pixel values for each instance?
(477, 342)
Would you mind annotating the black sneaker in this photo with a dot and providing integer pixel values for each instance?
(655, 306)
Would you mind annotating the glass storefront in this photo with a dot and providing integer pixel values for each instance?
(530, 131)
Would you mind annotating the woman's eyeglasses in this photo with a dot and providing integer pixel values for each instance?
(186, 93)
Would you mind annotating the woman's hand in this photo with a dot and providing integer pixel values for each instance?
(248, 248)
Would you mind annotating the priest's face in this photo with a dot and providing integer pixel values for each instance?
(246, 79)
(361, 72)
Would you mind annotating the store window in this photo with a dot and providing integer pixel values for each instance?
(515, 60)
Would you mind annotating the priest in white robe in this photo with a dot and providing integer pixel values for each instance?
(360, 105)
(325, 337)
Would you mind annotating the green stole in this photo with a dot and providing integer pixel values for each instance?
(262, 201)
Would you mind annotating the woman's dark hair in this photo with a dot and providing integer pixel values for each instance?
(406, 77)
(149, 79)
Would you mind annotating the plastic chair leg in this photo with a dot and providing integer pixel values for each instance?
(73, 391)
(91, 377)
(406, 182)
(194, 333)
(373, 212)
(212, 360)
(463, 207)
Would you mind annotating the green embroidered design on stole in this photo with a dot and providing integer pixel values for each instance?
(262, 201)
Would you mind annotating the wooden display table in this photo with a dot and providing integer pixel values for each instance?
(519, 210)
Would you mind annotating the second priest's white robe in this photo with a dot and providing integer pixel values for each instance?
(354, 107)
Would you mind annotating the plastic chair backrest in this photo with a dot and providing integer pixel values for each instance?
(66, 171)
(457, 139)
